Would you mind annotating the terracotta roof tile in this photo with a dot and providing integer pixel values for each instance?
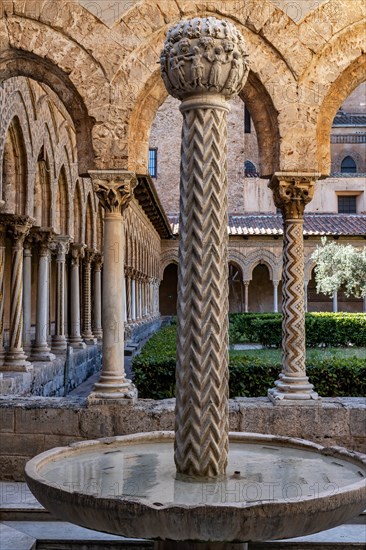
(271, 224)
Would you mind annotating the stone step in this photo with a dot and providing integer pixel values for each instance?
(13, 539)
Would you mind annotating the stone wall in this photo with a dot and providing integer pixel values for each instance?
(29, 426)
(55, 378)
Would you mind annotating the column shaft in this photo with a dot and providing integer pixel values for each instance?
(275, 296)
(75, 338)
(16, 359)
(246, 296)
(59, 339)
(292, 193)
(87, 318)
(2, 296)
(97, 329)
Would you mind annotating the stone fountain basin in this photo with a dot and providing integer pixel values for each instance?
(128, 486)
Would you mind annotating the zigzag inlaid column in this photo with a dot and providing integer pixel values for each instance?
(88, 335)
(203, 64)
(292, 192)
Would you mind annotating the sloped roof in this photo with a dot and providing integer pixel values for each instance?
(345, 119)
(271, 224)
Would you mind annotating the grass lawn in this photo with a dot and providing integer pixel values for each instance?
(274, 355)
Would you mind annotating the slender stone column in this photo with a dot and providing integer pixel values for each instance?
(125, 298)
(246, 296)
(292, 192)
(97, 328)
(203, 64)
(335, 302)
(306, 284)
(88, 335)
(27, 294)
(133, 298)
(114, 190)
(275, 296)
(364, 304)
(2, 296)
(59, 343)
(128, 295)
(16, 359)
(41, 350)
(75, 339)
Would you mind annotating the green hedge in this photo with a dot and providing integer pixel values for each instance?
(154, 372)
(322, 329)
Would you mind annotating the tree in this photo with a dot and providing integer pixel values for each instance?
(340, 266)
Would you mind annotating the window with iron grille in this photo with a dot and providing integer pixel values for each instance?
(250, 170)
(348, 166)
(347, 204)
(153, 162)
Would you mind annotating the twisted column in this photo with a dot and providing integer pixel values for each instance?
(97, 326)
(203, 64)
(87, 317)
(292, 192)
(114, 190)
(16, 359)
(2, 297)
(59, 343)
(27, 294)
(128, 295)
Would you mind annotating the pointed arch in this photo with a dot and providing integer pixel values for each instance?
(42, 192)
(89, 223)
(62, 218)
(15, 170)
(78, 214)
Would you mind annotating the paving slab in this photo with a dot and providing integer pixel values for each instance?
(12, 539)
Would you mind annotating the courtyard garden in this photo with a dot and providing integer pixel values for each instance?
(336, 356)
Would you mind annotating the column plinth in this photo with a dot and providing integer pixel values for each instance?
(203, 64)
(114, 190)
(16, 359)
(292, 192)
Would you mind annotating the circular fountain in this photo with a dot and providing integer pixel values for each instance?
(201, 483)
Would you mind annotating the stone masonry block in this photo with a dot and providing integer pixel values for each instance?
(7, 420)
(47, 421)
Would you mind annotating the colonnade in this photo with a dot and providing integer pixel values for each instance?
(141, 297)
(54, 303)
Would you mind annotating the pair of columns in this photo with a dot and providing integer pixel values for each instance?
(275, 296)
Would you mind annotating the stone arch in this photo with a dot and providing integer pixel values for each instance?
(270, 74)
(42, 191)
(15, 170)
(308, 269)
(100, 227)
(89, 223)
(166, 258)
(78, 214)
(62, 218)
(24, 63)
(337, 71)
(237, 259)
(262, 257)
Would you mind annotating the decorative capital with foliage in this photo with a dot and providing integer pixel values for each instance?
(114, 188)
(292, 192)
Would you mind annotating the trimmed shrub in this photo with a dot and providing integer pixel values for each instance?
(154, 372)
(322, 329)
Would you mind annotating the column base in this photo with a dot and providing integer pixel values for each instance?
(16, 362)
(59, 345)
(110, 387)
(292, 389)
(77, 343)
(42, 353)
(98, 333)
(90, 340)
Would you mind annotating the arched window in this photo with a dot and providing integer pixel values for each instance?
(250, 170)
(348, 166)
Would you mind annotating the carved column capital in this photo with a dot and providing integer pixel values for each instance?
(114, 188)
(98, 261)
(44, 238)
(19, 228)
(60, 247)
(292, 192)
(89, 256)
(204, 55)
(77, 251)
